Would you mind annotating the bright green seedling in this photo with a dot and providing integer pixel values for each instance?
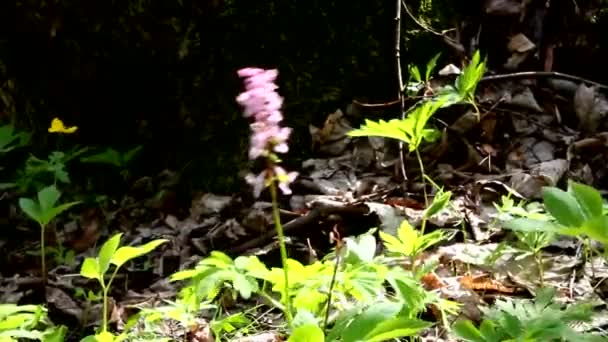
(111, 254)
(416, 82)
(530, 242)
(19, 322)
(43, 210)
(410, 242)
(577, 212)
(412, 130)
(466, 83)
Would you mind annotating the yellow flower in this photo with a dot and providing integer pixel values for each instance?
(58, 127)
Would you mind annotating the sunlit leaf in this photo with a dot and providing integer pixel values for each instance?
(589, 199)
(563, 206)
(126, 253)
(307, 333)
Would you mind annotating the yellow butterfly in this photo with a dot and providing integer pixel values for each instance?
(57, 126)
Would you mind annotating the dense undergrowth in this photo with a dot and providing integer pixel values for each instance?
(354, 293)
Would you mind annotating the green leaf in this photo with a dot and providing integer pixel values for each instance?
(489, 332)
(430, 66)
(244, 285)
(367, 321)
(408, 236)
(90, 269)
(392, 244)
(47, 197)
(124, 254)
(49, 215)
(104, 336)
(414, 73)
(597, 229)
(589, 199)
(439, 203)
(563, 206)
(31, 208)
(109, 156)
(396, 328)
(106, 253)
(467, 331)
(363, 248)
(307, 333)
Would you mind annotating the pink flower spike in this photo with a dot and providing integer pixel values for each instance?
(249, 72)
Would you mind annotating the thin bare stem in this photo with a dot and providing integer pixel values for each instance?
(43, 255)
(400, 80)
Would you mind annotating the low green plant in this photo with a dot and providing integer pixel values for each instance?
(111, 253)
(529, 242)
(358, 303)
(412, 130)
(28, 322)
(578, 212)
(466, 83)
(38, 172)
(43, 210)
(416, 82)
(525, 320)
(110, 156)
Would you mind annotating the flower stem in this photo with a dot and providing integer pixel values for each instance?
(279, 228)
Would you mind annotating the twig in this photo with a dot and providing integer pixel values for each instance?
(515, 75)
(449, 40)
(542, 74)
(400, 79)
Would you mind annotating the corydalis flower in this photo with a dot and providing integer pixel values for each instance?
(261, 102)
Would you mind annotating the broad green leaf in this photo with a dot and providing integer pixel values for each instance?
(588, 198)
(182, 275)
(531, 225)
(124, 254)
(104, 336)
(218, 259)
(396, 328)
(244, 286)
(50, 214)
(597, 229)
(367, 321)
(90, 269)
(31, 208)
(11, 309)
(563, 206)
(307, 333)
(56, 334)
(488, 331)
(467, 331)
(47, 197)
(439, 203)
(106, 253)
